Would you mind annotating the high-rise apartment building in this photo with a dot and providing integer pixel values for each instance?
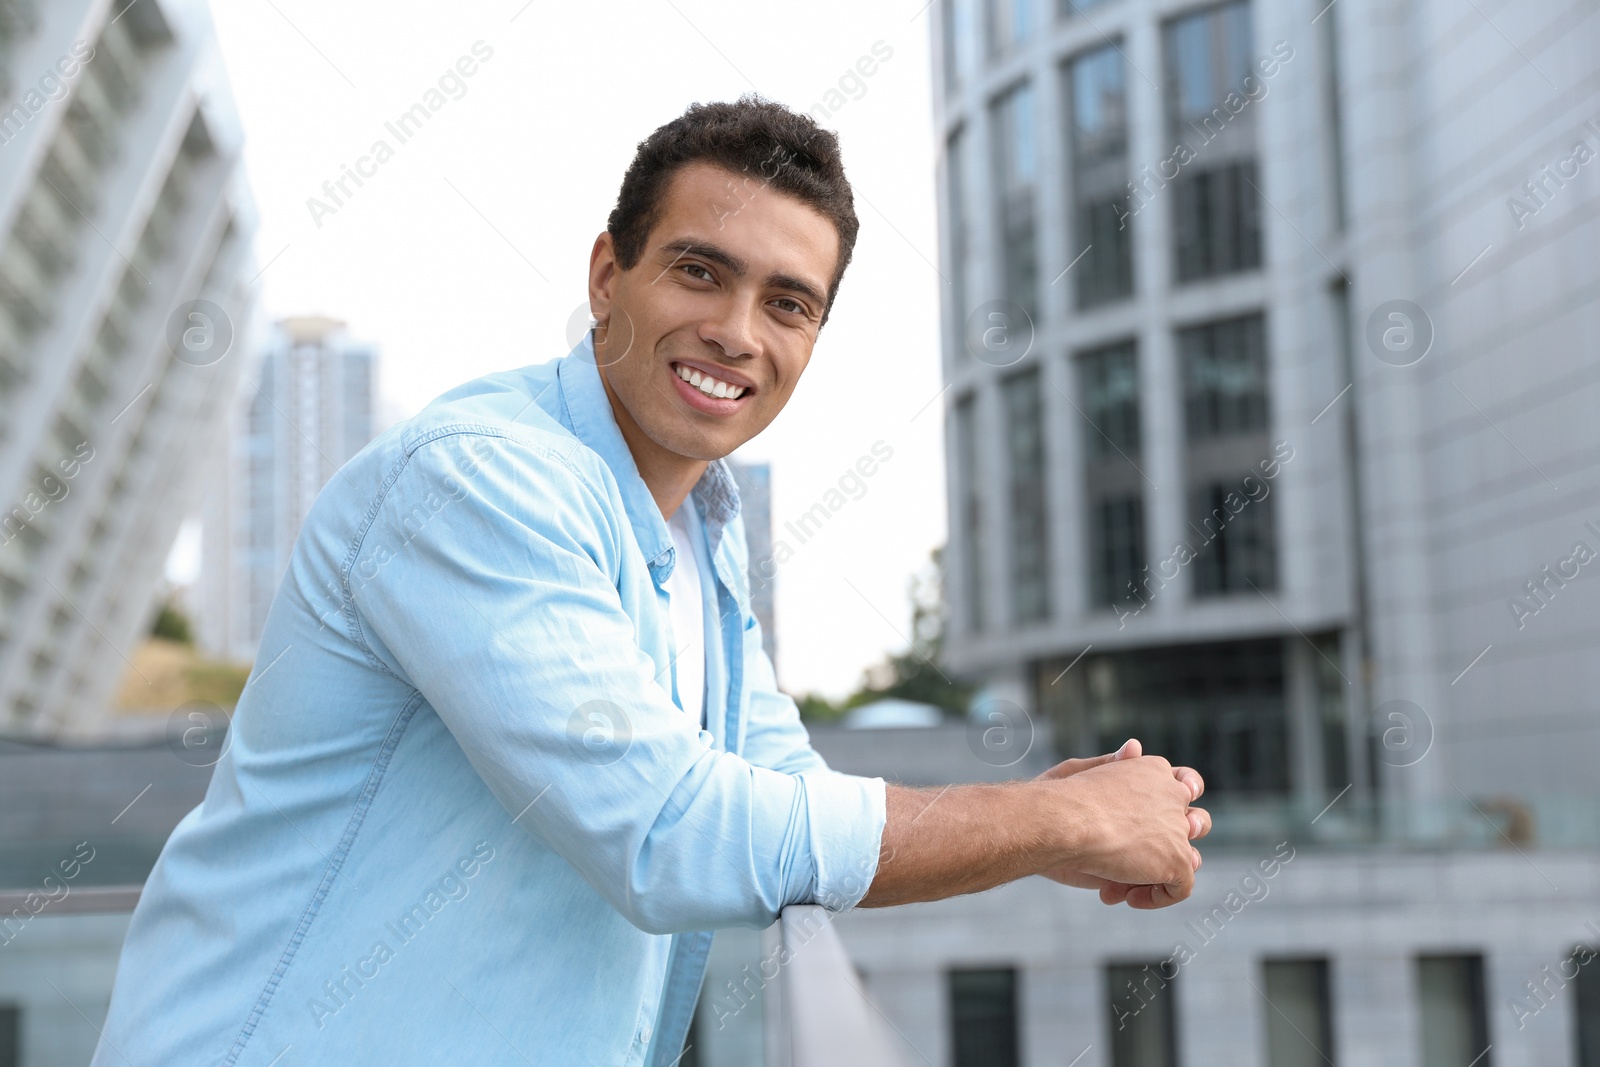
(310, 407)
(125, 263)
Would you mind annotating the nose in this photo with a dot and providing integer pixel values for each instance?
(733, 327)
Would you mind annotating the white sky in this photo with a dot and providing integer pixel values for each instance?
(447, 281)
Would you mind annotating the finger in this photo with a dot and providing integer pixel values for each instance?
(1070, 767)
(1190, 777)
(1169, 893)
(1144, 897)
(1115, 892)
(1155, 896)
(1199, 823)
(1075, 879)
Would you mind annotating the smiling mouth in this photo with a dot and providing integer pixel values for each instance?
(705, 383)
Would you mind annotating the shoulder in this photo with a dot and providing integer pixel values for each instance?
(507, 420)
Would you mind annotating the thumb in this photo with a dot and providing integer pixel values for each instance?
(1066, 768)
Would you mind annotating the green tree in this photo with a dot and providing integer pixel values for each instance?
(172, 624)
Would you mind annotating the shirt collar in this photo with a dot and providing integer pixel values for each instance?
(588, 412)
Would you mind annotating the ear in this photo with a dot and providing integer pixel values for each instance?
(603, 272)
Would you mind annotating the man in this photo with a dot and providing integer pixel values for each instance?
(513, 749)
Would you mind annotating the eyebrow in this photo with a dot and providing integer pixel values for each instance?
(739, 268)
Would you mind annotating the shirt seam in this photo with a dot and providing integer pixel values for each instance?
(358, 542)
(346, 842)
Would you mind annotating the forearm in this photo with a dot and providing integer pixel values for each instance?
(964, 839)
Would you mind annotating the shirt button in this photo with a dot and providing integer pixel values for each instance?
(645, 1031)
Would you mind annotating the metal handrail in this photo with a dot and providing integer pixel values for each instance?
(86, 900)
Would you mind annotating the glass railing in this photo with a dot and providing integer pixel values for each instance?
(823, 1018)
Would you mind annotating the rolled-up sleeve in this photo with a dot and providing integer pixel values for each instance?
(487, 578)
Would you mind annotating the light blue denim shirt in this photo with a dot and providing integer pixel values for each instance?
(462, 816)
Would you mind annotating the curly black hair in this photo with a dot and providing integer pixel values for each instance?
(779, 147)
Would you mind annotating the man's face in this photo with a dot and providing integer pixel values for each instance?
(732, 284)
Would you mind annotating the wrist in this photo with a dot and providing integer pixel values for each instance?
(1068, 822)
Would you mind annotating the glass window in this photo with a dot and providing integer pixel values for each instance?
(966, 433)
(1069, 8)
(1225, 378)
(983, 1017)
(1143, 1017)
(1217, 223)
(1116, 550)
(1098, 91)
(1218, 708)
(1586, 1009)
(1300, 1016)
(1234, 541)
(1455, 1021)
(956, 193)
(1333, 120)
(957, 30)
(1017, 157)
(10, 1036)
(1108, 385)
(1030, 540)
(1016, 166)
(1211, 114)
(1010, 23)
(1208, 57)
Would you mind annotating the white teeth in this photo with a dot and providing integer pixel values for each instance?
(709, 385)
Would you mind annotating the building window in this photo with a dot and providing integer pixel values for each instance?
(1016, 165)
(1098, 106)
(1010, 23)
(1143, 1015)
(1226, 421)
(1300, 1019)
(1333, 117)
(966, 435)
(1586, 1009)
(960, 247)
(1235, 548)
(1217, 220)
(1225, 378)
(1108, 383)
(1218, 224)
(983, 1017)
(957, 31)
(1455, 1020)
(1069, 8)
(10, 1035)
(1030, 535)
(1116, 549)
(1218, 708)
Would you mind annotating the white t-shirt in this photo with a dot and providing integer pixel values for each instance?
(688, 626)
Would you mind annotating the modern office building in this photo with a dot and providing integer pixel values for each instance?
(754, 481)
(1270, 338)
(309, 406)
(125, 229)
